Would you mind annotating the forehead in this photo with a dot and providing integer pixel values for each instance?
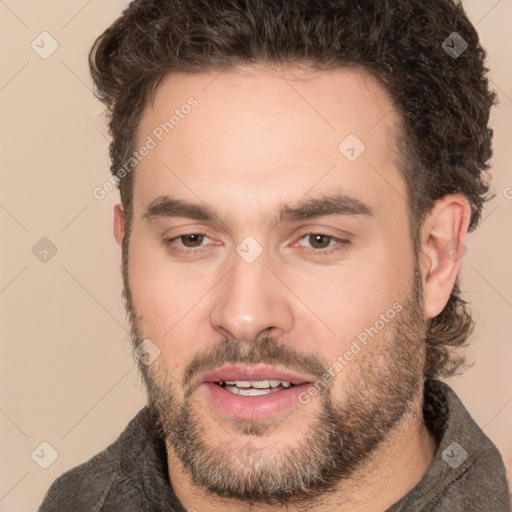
(275, 134)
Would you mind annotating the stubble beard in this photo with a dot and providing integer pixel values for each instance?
(341, 435)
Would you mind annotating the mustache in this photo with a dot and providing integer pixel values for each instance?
(267, 350)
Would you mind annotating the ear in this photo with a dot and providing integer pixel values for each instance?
(443, 243)
(119, 224)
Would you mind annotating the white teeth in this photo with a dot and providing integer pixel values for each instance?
(238, 383)
(259, 385)
(254, 392)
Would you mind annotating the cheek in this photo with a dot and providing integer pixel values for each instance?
(169, 303)
(151, 289)
(156, 290)
(341, 302)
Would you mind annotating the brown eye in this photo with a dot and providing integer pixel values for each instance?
(192, 239)
(189, 244)
(321, 244)
(319, 241)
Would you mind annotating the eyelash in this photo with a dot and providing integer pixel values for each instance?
(168, 242)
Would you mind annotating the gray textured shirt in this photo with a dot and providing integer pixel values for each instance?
(467, 473)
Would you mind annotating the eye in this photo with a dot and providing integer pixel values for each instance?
(323, 244)
(189, 241)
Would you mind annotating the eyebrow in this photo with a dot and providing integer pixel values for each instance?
(337, 204)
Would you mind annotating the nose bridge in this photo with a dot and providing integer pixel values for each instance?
(251, 299)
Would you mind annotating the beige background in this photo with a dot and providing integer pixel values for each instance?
(67, 376)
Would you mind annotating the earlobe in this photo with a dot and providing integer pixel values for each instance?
(443, 244)
(119, 224)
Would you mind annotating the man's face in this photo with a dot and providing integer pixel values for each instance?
(270, 281)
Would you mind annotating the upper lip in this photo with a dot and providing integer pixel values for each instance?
(230, 372)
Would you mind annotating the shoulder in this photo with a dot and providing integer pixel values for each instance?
(86, 486)
(468, 470)
(473, 465)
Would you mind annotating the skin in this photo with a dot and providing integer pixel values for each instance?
(258, 139)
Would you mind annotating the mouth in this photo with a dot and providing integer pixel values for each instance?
(253, 392)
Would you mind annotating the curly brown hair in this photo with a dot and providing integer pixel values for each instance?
(443, 99)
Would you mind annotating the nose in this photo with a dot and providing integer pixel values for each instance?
(250, 302)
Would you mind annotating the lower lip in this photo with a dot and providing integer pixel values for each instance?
(253, 407)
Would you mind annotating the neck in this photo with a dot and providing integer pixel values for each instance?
(394, 468)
